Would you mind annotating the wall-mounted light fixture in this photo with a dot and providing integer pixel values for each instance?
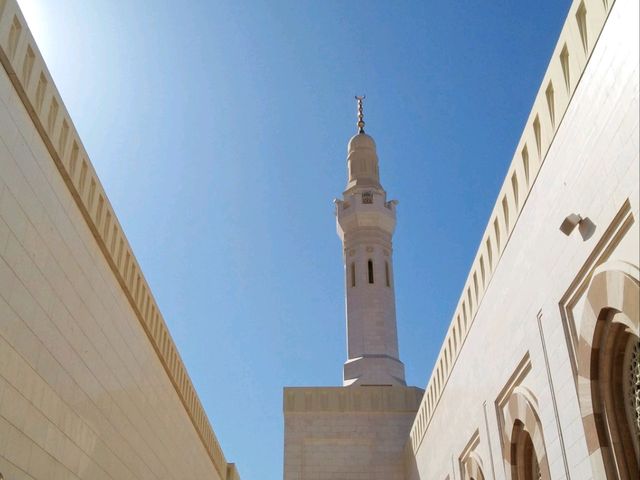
(585, 226)
(570, 223)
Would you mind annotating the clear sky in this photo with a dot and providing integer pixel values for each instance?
(219, 130)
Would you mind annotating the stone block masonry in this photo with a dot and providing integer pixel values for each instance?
(91, 383)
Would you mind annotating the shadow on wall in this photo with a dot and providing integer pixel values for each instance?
(410, 465)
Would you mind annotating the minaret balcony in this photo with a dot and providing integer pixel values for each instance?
(361, 211)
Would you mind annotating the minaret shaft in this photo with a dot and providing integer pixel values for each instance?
(365, 224)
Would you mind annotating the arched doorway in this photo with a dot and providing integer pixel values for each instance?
(472, 467)
(609, 373)
(526, 454)
(525, 463)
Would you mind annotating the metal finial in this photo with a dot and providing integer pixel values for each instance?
(360, 113)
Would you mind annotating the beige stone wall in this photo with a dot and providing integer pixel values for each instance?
(347, 433)
(91, 384)
(513, 347)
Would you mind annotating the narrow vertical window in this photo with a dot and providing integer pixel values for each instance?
(370, 268)
(386, 274)
(353, 274)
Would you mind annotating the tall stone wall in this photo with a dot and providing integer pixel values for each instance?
(347, 433)
(519, 347)
(91, 384)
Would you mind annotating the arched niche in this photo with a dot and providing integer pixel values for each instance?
(609, 371)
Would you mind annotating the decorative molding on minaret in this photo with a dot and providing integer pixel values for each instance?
(365, 223)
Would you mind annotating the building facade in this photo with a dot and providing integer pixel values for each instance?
(538, 376)
(91, 383)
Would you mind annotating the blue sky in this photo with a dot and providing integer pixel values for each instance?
(219, 130)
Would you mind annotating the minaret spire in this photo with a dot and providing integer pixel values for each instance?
(360, 113)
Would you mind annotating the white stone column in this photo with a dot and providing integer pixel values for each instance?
(365, 224)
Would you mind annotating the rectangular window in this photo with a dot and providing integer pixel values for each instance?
(353, 274)
(370, 268)
(387, 274)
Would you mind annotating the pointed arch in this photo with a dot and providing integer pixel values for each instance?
(473, 467)
(524, 449)
(608, 330)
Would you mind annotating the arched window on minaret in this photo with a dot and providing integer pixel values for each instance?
(353, 274)
(370, 266)
(386, 274)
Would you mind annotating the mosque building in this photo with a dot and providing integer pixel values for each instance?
(538, 375)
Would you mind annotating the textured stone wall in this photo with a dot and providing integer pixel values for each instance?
(520, 351)
(91, 384)
(347, 433)
(82, 391)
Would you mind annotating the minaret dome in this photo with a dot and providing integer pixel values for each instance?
(362, 159)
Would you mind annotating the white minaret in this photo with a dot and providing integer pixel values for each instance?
(365, 223)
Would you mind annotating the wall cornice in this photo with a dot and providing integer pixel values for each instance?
(364, 399)
(31, 79)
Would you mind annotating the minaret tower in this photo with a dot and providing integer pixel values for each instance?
(365, 224)
(374, 403)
